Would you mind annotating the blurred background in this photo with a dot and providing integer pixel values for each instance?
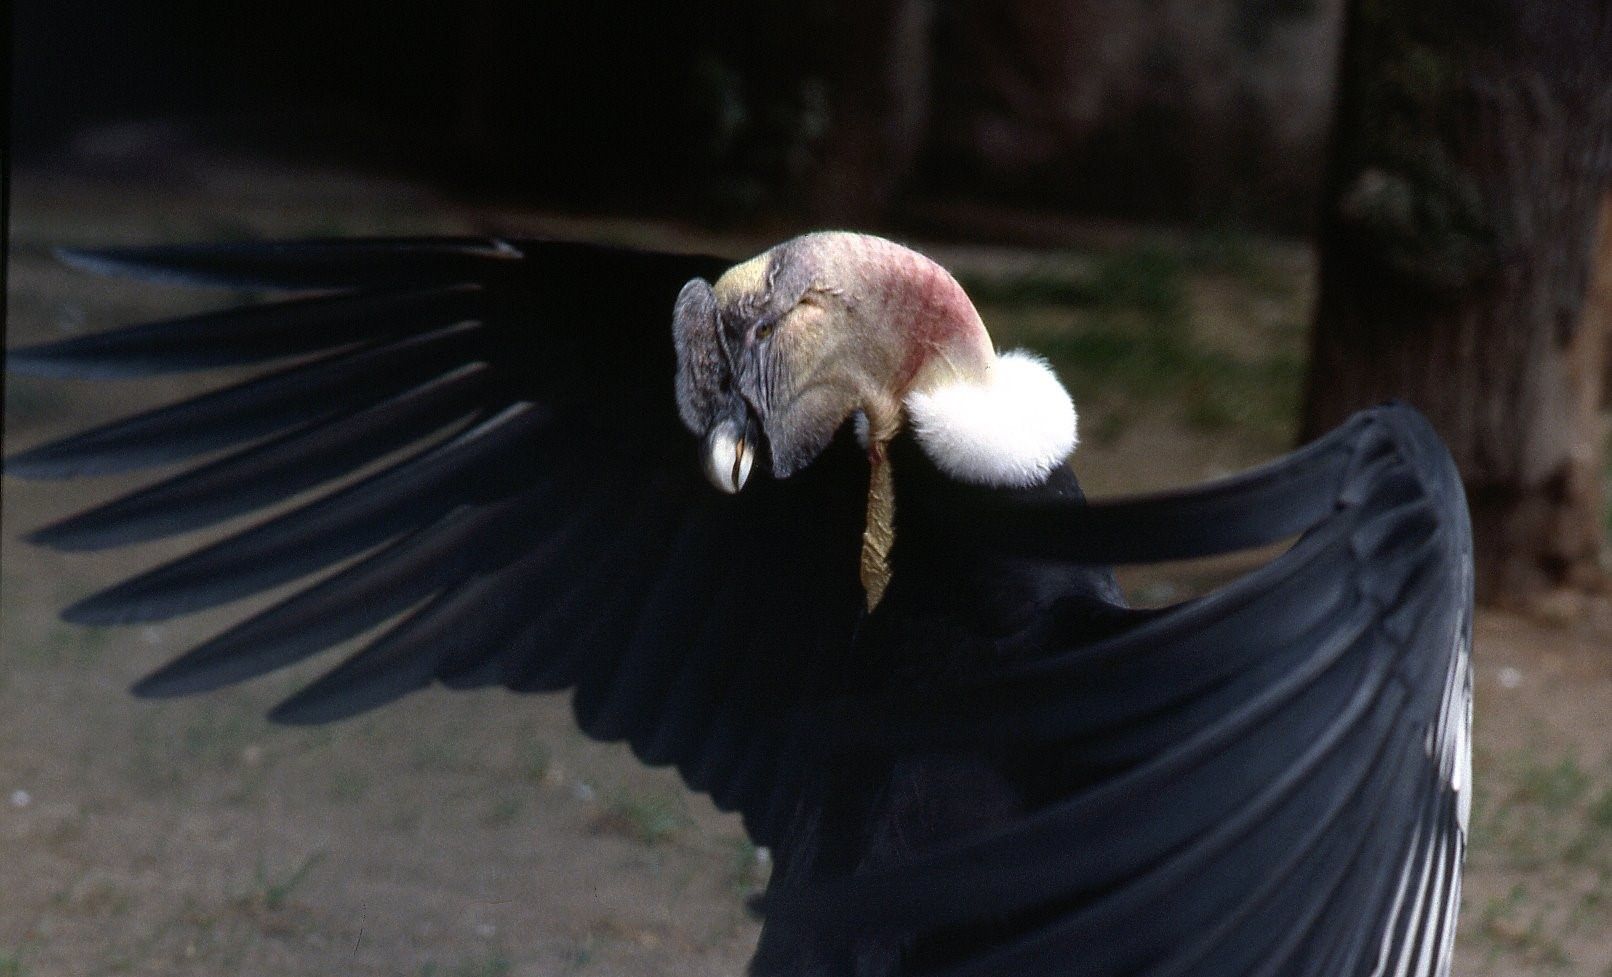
(1229, 223)
(728, 112)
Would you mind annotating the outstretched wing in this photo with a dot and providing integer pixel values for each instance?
(1269, 780)
(532, 513)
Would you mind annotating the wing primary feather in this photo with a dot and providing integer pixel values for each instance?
(614, 597)
(451, 632)
(625, 701)
(558, 633)
(306, 264)
(413, 492)
(686, 703)
(249, 334)
(384, 583)
(276, 469)
(540, 657)
(401, 661)
(529, 584)
(290, 397)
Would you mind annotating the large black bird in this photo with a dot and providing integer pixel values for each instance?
(890, 641)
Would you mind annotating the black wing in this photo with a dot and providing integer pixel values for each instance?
(1270, 780)
(539, 520)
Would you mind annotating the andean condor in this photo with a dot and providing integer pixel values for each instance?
(891, 641)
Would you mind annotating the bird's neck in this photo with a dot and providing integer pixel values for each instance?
(996, 421)
(879, 531)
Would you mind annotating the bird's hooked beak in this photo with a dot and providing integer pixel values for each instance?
(730, 448)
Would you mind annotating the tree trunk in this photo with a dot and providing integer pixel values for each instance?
(1471, 147)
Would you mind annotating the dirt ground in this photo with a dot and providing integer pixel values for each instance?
(478, 835)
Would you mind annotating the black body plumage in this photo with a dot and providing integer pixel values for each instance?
(1002, 770)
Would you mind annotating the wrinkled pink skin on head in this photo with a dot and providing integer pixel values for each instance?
(921, 302)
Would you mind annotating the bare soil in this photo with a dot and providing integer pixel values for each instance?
(477, 835)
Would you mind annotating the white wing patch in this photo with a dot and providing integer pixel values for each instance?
(1424, 945)
(1009, 432)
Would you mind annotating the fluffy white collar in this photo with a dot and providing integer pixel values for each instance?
(1009, 432)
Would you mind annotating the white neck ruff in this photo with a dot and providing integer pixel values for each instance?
(1009, 432)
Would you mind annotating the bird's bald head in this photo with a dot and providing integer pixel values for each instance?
(793, 342)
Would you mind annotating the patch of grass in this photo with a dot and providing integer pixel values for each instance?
(503, 810)
(1500, 906)
(1600, 812)
(1529, 940)
(1606, 470)
(1590, 910)
(1225, 247)
(313, 738)
(1157, 361)
(1546, 950)
(1129, 334)
(11, 964)
(152, 768)
(65, 644)
(1584, 846)
(350, 787)
(273, 892)
(650, 819)
(1103, 427)
(748, 867)
(134, 956)
(535, 761)
(104, 899)
(1554, 786)
(580, 955)
(437, 753)
(217, 735)
(328, 225)
(1148, 279)
(1229, 249)
(495, 964)
(1543, 818)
